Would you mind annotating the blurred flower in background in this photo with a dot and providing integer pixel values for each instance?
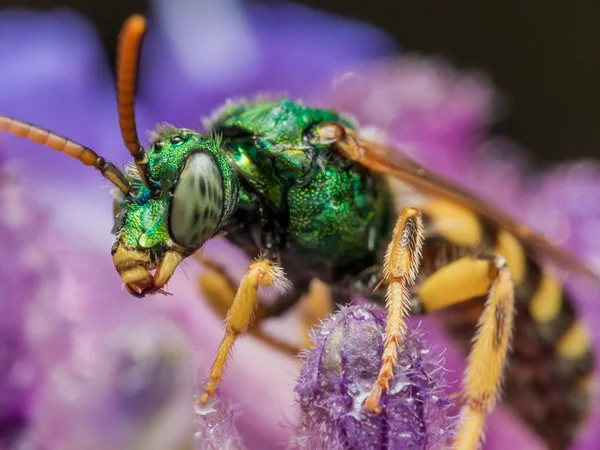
(83, 364)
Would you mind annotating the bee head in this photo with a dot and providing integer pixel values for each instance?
(196, 191)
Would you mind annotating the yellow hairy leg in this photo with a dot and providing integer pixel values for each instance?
(400, 269)
(315, 306)
(459, 281)
(219, 289)
(261, 272)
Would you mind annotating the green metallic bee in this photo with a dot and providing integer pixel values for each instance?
(299, 189)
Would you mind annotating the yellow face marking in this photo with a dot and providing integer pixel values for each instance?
(547, 300)
(457, 224)
(460, 280)
(575, 343)
(167, 267)
(510, 248)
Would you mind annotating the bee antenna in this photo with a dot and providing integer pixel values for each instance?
(130, 43)
(62, 144)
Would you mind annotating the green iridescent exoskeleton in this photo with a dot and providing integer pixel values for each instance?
(257, 177)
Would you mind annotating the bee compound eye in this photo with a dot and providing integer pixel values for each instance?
(158, 146)
(197, 201)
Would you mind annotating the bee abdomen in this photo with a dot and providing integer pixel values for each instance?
(548, 376)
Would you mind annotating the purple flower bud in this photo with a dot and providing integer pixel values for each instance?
(337, 376)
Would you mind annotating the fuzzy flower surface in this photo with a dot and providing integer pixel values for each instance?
(337, 376)
(78, 350)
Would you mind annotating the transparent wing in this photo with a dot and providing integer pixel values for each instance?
(390, 161)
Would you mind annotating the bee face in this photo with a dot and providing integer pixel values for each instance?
(157, 232)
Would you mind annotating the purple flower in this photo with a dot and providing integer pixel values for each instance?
(444, 127)
(566, 208)
(125, 383)
(337, 376)
(202, 53)
(440, 117)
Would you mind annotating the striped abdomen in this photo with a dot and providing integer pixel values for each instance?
(548, 374)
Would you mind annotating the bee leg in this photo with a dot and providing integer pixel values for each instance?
(218, 288)
(315, 306)
(462, 280)
(400, 269)
(261, 272)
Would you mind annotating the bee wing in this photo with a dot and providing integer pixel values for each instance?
(388, 160)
